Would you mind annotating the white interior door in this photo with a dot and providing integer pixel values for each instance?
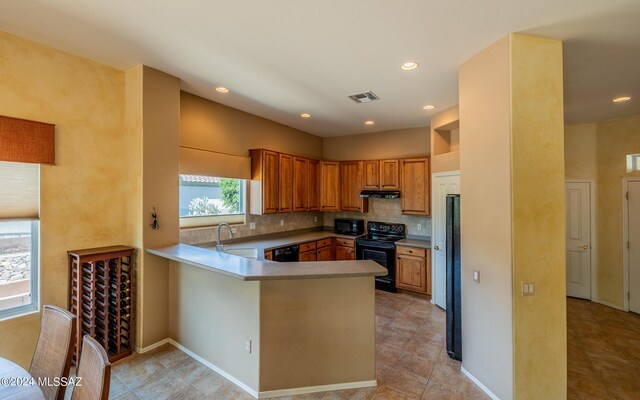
(633, 214)
(442, 185)
(578, 198)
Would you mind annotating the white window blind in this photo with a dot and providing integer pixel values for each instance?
(19, 190)
(210, 163)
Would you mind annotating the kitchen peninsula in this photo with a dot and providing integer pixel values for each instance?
(275, 329)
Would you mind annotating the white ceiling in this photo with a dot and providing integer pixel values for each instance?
(280, 58)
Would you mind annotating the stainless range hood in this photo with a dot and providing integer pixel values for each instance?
(380, 194)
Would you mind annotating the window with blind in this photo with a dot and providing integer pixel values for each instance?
(19, 233)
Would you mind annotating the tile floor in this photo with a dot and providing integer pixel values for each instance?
(411, 364)
(603, 352)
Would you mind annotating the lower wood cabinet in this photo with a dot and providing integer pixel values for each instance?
(326, 250)
(308, 256)
(345, 249)
(268, 255)
(413, 269)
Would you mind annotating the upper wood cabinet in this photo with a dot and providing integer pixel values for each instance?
(329, 186)
(300, 184)
(389, 174)
(351, 183)
(313, 185)
(371, 174)
(264, 185)
(286, 183)
(415, 187)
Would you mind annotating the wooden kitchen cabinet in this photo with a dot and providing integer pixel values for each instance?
(326, 250)
(264, 185)
(413, 269)
(371, 174)
(351, 183)
(329, 186)
(308, 256)
(345, 249)
(415, 187)
(300, 184)
(285, 187)
(313, 185)
(268, 255)
(389, 174)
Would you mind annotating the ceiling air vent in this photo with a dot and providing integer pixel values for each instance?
(366, 97)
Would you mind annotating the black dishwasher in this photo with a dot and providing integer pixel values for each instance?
(287, 254)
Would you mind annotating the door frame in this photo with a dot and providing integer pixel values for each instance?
(433, 193)
(625, 238)
(594, 248)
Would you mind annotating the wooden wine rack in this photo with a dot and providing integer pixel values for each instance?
(101, 297)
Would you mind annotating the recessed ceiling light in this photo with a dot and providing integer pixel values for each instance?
(408, 66)
(369, 122)
(222, 89)
(429, 107)
(621, 99)
(305, 115)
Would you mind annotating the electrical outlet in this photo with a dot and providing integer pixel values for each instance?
(252, 225)
(315, 219)
(528, 288)
(281, 222)
(419, 227)
(234, 230)
(476, 276)
(247, 345)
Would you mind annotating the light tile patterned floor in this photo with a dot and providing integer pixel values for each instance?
(603, 352)
(411, 364)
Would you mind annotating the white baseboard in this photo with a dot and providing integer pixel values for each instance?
(479, 384)
(314, 389)
(151, 346)
(617, 307)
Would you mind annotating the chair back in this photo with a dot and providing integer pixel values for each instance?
(52, 358)
(95, 371)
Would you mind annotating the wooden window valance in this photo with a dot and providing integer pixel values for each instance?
(27, 141)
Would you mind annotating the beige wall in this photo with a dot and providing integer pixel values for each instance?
(538, 218)
(402, 143)
(445, 140)
(81, 196)
(485, 194)
(512, 180)
(597, 151)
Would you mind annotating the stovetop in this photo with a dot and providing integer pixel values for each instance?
(384, 232)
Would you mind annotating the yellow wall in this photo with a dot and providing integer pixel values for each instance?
(402, 143)
(445, 140)
(208, 125)
(81, 196)
(597, 151)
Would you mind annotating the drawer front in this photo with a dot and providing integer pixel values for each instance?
(345, 242)
(411, 251)
(325, 242)
(307, 246)
(308, 256)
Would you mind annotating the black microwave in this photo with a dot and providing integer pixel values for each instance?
(353, 227)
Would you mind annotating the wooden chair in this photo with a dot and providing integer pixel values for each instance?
(95, 371)
(52, 358)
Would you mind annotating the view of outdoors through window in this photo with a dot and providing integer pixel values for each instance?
(207, 196)
(15, 264)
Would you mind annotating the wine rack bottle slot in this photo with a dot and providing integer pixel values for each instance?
(101, 296)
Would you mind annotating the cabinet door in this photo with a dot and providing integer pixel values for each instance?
(286, 183)
(345, 253)
(300, 183)
(372, 174)
(268, 255)
(313, 187)
(428, 272)
(270, 182)
(411, 273)
(325, 254)
(329, 186)
(389, 175)
(414, 184)
(351, 186)
(308, 256)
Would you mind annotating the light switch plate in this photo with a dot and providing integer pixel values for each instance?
(528, 288)
(281, 222)
(252, 225)
(476, 276)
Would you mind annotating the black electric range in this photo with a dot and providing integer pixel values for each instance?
(379, 245)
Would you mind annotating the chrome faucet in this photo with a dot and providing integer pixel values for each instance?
(219, 245)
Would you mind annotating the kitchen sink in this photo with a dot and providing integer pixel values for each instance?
(246, 252)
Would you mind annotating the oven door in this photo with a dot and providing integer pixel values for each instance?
(385, 255)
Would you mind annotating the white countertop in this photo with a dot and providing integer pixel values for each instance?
(257, 270)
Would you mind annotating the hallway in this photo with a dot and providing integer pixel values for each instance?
(603, 347)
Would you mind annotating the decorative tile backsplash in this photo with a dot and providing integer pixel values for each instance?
(385, 210)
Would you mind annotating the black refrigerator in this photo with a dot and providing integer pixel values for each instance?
(454, 309)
